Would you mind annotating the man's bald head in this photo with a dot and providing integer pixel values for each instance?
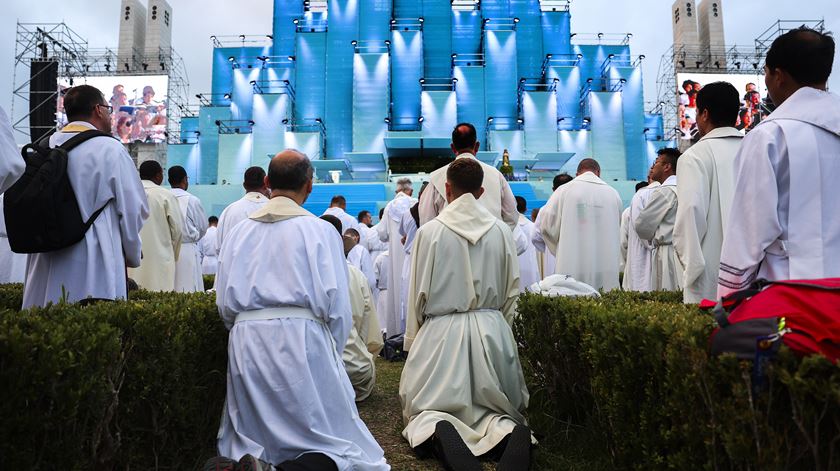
(289, 170)
(464, 139)
(589, 165)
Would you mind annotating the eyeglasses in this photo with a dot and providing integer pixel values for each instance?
(109, 107)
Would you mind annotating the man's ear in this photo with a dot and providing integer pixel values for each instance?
(448, 191)
(478, 193)
(475, 147)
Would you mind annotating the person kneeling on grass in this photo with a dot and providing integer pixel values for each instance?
(462, 389)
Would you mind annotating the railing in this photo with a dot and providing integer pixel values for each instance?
(235, 126)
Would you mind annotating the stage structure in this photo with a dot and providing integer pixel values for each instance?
(700, 55)
(51, 57)
(371, 89)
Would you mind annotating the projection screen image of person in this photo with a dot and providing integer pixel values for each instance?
(754, 99)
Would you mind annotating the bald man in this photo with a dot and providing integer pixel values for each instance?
(288, 396)
(580, 225)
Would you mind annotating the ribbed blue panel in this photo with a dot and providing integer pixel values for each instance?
(187, 156)
(338, 119)
(556, 28)
(406, 71)
(577, 142)
(466, 32)
(540, 112)
(567, 89)
(374, 20)
(513, 141)
(283, 28)
(495, 8)
(408, 8)
(594, 56)
(529, 40)
(242, 93)
(222, 79)
(437, 38)
(234, 157)
(608, 134)
(310, 72)
(370, 102)
(309, 143)
(269, 112)
(634, 120)
(500, 74)
(440, 112)
(654, 123)
(189, 124)
(470, 99)
(208, 142)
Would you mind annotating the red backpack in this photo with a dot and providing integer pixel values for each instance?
(803, 314)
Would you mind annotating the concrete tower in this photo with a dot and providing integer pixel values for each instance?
(710, 22)
(158, 34)
(684, 20)
(132, 35)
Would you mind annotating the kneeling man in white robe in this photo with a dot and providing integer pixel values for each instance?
(462, 389)
(288, 309)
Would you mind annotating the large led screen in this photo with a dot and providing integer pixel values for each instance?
(753, 93)
(139, 105)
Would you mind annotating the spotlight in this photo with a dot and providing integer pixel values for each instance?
(353, 43)
(611, 56)
(393, 21)
(212, 38)
(490, 119)
(454, 56)
(198, 95)
(454, 79)
(548, 56)
(236, 130)
(296, 21)
(253, 82)
(421, 119)
(629, 35)
(717, 64)
(738, 65)
(589, 80)
(162, 66)
(422, 81)
(420, 20)
(556, 80)
(387, 120)
(269, 36)
(227, 96)
(197, 133)
(645, 130)
(242, 37)
(560, 120)
(571, 35)
(600, 35)
(641, 57)
(755, 65)
(585, 120)
(520, 120)
(486, 20)
(251, 122)
(387, 42)
(291, 58)
(145, 66)
(681, 63)
(580, 56)
(516, 20)
(231, 59)
(218, 122)
(319, 120)
(285, 121)
(522, 80)
(622, 80)
(697, 64)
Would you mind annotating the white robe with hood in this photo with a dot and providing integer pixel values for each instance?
(101, 171)
(209, 249)
(390, 232)
(463, 365)
(347, 221)
(365, 339)
(161, 236)
(785, 222)
(529, 271)
(706, 174)
(655, 225)
(188, 268)
(580, 223)
(637, 264)
(287, 390)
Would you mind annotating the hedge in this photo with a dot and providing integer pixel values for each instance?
(136, 384)
(633, 372)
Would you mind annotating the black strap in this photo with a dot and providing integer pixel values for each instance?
(96, 214)
(82, 137)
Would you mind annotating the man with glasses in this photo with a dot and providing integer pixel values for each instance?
(103, 176)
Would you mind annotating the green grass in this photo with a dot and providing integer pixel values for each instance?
(574, 450)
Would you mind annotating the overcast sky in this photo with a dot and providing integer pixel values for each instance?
(195, 20)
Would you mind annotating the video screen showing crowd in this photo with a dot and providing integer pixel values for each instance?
(755, 102)
(440, 273)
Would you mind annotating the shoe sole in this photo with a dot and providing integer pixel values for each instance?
(456, 455)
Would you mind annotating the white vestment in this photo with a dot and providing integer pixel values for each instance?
(365, 339)
(161, 236)
(785, 222)
(287, 390)
(706, 174)
(100, 171)
(209, 249)
(548, 259)
(11, 162)
(529, 272)
(188, 268)
(360, 258)
(12, 265)
(390, 232)
(625, 229)
(497, 198)
(637, 265)
(580, 224)
(347, 221)
(408, 229)
(381, 266)
(239, 211)
(369, 238)
(463, 365)
(655, 224)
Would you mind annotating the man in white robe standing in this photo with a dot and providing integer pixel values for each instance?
(655, 223)
(498, 197)
(580, 224)
(462, 389)
(338, 207)
(102, 175)
(529, 272)
(209, 248)
(637, 262)
(785, 223)
(368, 236)
(408, 229)
(161, 235)
(188, 268)
(256, 195)
(706, 176)
(548, 258)
(288, 396)
(11, 162)
(390, 232)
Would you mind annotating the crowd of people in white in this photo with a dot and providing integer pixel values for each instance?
(309, 300)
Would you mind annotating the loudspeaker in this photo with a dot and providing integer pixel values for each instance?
(43, 97)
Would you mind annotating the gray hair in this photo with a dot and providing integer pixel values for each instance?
(403, 184)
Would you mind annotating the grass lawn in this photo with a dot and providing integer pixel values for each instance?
(383, 415)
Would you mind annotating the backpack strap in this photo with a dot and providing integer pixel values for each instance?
(82, 137)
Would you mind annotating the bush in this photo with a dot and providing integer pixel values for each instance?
(209, 281)
(132, 384)
(632, 371)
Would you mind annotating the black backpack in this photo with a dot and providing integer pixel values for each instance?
(40, 209)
